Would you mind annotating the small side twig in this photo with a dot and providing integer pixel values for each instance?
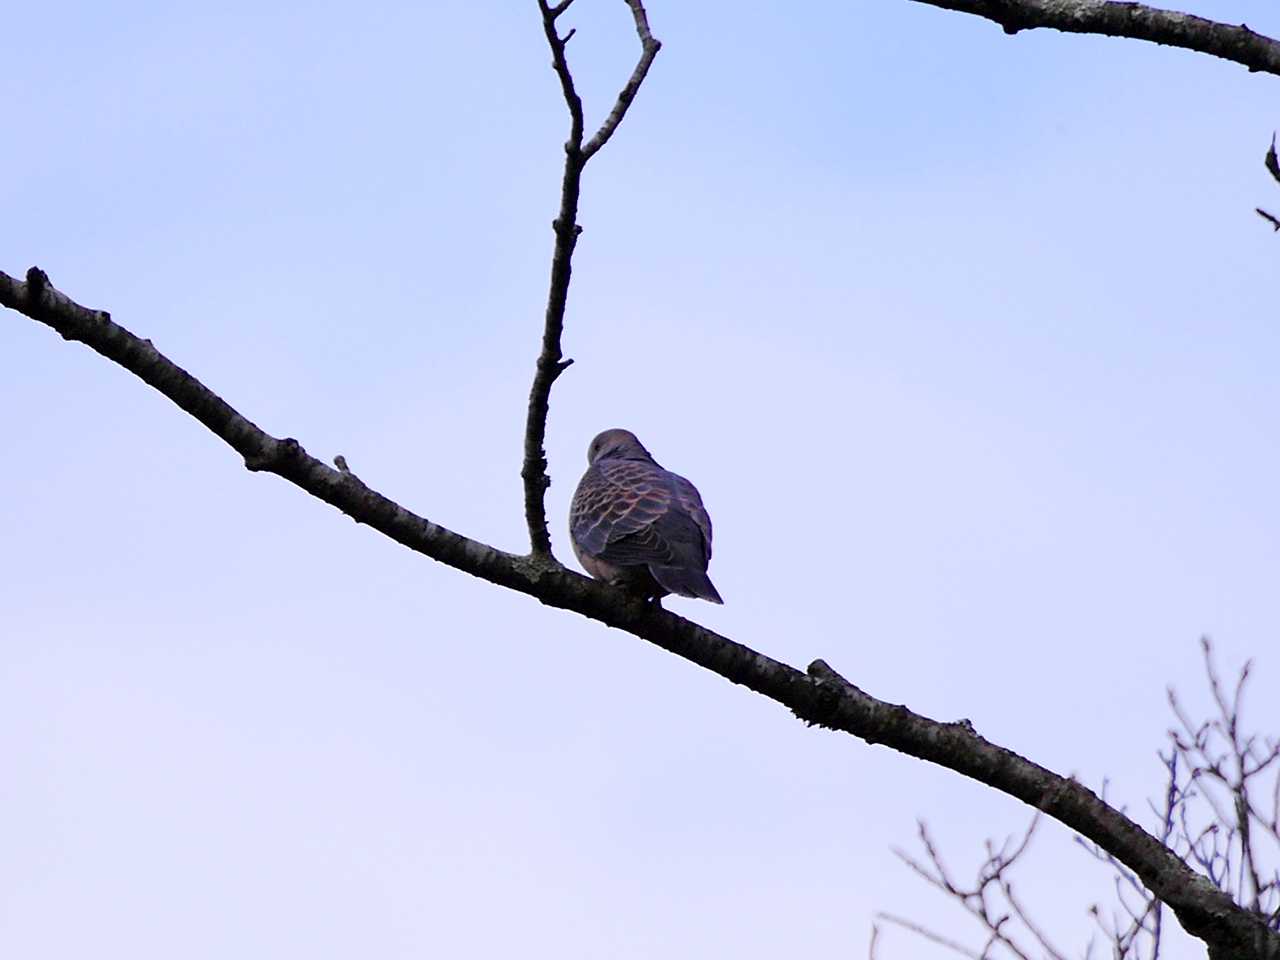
(1272, 164)
(922, 931)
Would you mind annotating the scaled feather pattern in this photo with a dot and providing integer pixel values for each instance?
(638, 526)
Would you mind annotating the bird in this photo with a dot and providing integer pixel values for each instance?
(638, 526)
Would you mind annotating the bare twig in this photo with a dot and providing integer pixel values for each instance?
(1133, 20)
(550, 362)
(928, 934)
(1273, 167)
(649, 48)
(1224, 769)
(1275, 223)
(983, 899)
(1024, 916)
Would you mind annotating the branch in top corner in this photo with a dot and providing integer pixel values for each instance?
(1133, 20)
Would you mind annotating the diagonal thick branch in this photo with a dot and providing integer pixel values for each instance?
(550, 362)
(818, 696)
(1133, 20)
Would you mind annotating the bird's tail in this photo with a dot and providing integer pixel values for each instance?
(686, 583)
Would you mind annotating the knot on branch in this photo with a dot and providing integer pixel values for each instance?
(275, 457)
(1010, 18)
(347, 473)
(574, 231)
(38, 286)
(826, 688)
(553, 368)
(37, 282)
(535, 471)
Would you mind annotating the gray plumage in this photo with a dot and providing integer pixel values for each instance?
(638, 526)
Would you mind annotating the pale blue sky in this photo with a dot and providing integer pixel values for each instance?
(969, 342)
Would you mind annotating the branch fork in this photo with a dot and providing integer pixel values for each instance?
(567, 230)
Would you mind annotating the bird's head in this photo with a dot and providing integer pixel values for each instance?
(617, 445)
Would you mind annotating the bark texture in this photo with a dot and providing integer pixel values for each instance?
(1133, 20)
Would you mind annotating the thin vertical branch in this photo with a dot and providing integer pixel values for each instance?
(551, 362)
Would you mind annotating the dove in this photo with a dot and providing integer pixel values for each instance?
(638, 526)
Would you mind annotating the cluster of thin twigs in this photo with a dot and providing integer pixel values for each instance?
(1220, 813)
(1236, 775)
(989, 898)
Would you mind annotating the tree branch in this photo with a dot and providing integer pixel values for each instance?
(820, 696)
(1273, 167)
(928, 934)
(550, 363)
(1134, 20)
(649, 48)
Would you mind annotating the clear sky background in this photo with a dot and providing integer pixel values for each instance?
(968, 340)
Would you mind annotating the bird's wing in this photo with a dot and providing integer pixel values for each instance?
(690, 502)
(616, 498)
(627, 512)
